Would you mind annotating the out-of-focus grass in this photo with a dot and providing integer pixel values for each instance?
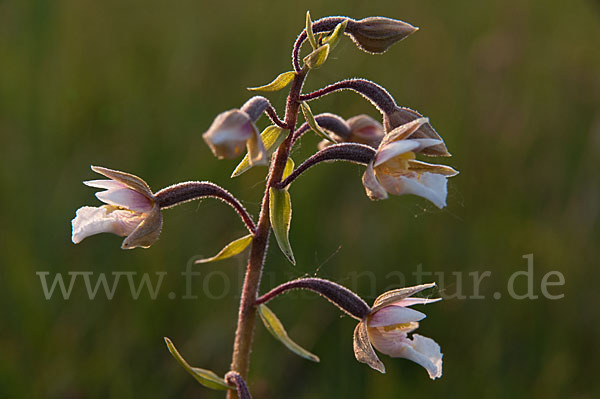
(513, 88)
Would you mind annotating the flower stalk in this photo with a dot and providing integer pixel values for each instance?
(240, 361)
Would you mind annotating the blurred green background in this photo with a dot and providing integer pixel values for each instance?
(512, 86)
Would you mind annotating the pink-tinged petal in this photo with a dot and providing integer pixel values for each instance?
(105, 184)
(389, 151)
(426, 143)
(400, 293)
(421, 350)
(131, 181)
(126, 198)
(404, 131)
(404, 115)
(363, 350)
(414, 301)
(391, 315)
(374, 189)
(422, 167)
(430, 186)
(105, 219)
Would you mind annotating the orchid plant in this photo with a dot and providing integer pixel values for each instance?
(387, 149)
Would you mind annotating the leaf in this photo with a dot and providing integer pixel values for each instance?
(310, 119)
(289, 168)
(279, 83)
(335, 36)
(309, 31)
(205, 377)
(271, 137)
(275, 327)
(280, 209)
(231, 249)
(315, 59)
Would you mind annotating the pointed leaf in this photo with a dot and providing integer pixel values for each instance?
(231, 249)
(309, 31)
(279, 83)
(315, 59)
(205, 377)
(280, 207)
(289, 168)
(271, 137)
(335, 36)
(273, 324)
(310, 119)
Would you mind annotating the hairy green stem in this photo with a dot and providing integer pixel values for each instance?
(242, 346)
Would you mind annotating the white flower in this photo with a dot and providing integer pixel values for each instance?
(387, 327)
(131, 212)
(396, 171)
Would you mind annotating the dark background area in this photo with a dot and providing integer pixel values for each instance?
(512, 86)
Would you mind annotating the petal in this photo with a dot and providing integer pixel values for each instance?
(425, 352)
(421, 350)
(404, 115)
(391, 315)
(414, 301)
(131, 181)
(387, 341)
(257, 154)
(430, 186)
(91, 220)
(396, 295)
(147, 231)
(391, 150)
(363, 350)
(105, 184)
(374, 189)
(405, 130)
(126, 198)
(421, 167)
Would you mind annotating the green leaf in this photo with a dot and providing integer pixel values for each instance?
(271, 137)
(275, 327)
(289, 168)
(315, 59)
(279, 83)
(231, 249)
(309, 31)
(310, 119)
(205, 377)
(335, 36)
(280, 207)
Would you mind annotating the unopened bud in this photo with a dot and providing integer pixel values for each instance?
(377, 34)
(230, 133)
(365, 130)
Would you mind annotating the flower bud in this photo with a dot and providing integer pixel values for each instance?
(229, 133)
(377, 34)
(365, 130)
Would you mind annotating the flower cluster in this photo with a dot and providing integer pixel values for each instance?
(387, 148)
